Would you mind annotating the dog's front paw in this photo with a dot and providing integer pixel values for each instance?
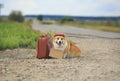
(64, 56)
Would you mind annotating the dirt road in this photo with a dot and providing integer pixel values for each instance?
(99, 61)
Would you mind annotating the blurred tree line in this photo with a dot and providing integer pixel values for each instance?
(40, 17)
(18, 16)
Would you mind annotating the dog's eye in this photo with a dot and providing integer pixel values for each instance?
(61, 38)
(57, 38)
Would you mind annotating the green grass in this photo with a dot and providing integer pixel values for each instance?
(48, 22)
(96, 25)
(17, 35)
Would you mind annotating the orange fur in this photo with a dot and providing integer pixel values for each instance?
(72, 50)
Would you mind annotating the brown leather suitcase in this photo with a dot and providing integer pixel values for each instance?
(44, 44)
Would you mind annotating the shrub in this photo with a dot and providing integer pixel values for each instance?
(16, 16)
(66, 19)
(40, 17)
(46, 22)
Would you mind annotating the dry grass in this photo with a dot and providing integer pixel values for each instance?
(96, 25)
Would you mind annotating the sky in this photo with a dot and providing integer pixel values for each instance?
(63, 7)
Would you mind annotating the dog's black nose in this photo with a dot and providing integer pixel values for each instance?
(60, 42)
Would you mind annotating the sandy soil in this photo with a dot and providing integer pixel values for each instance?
(99, 61)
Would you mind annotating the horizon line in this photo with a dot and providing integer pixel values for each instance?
(62, 15)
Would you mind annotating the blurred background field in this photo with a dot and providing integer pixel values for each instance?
(16, 29)
(110, 24)
(106, 25)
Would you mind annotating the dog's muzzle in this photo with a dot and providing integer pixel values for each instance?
(59, 43)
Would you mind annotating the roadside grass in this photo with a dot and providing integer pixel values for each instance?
(96, 25)
(17, 35)
(104, 28)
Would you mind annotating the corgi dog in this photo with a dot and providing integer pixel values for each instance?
(69, 49)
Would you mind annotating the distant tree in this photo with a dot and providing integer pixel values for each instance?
(40, 17)
(16, 16)
(66, 19)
